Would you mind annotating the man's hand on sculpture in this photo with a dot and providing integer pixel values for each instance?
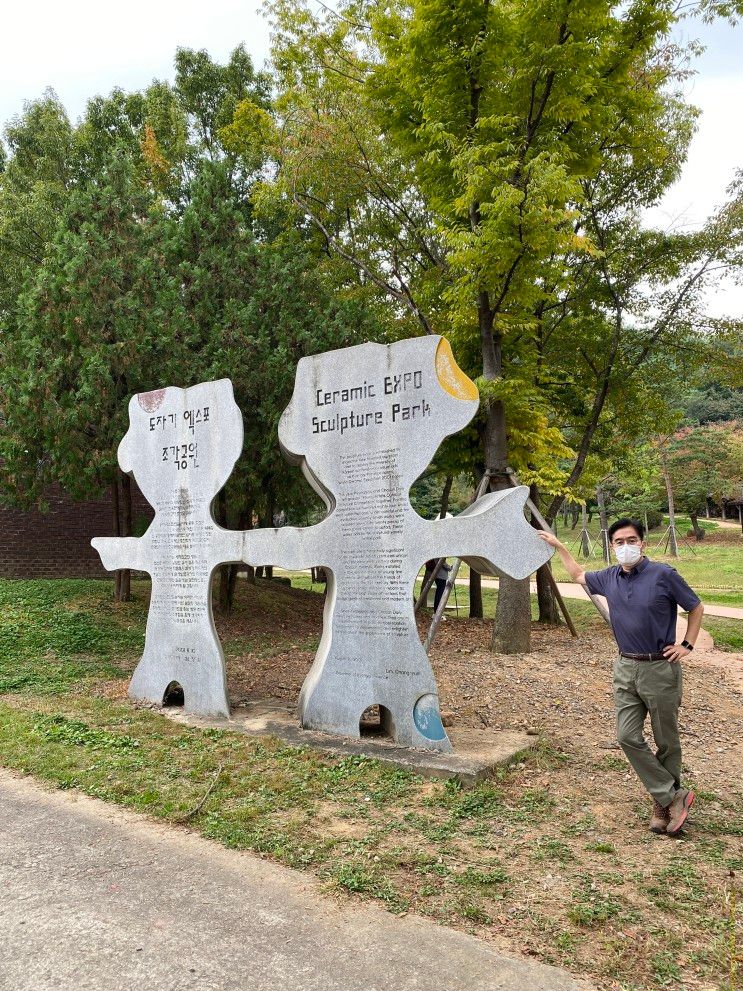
(549, 538)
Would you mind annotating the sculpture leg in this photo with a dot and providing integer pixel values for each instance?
(337, 691)
(193, 658)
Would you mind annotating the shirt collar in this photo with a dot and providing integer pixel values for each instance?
(638, 568)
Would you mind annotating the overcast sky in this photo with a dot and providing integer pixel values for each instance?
(84, 47)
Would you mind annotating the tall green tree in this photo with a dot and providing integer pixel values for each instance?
(154, 266)
(464, 156)
(705, 463)
(38, 171)
(101, 320)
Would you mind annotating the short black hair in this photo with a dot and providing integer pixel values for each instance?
(640, 529)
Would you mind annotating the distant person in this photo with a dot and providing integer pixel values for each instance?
(442, 576)
(440, 579)
(643, 598)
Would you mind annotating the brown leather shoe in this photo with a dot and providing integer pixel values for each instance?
(659, 818)
(678, 810)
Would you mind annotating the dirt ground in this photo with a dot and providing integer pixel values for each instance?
(562, 688)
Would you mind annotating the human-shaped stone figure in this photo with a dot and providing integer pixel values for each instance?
(363, 424)
(181, 447)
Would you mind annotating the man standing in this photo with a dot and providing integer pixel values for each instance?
(643, 598)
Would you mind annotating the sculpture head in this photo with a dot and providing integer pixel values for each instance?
(354, 402)
(193, 436)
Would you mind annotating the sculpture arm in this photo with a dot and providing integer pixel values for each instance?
(122, 552)
(493, 533)
(226, 546)
(290, 547)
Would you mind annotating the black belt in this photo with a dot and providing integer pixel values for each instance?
(644, 657)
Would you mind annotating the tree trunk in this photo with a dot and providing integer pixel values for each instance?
(126, 531)
(223, 592)
(268, 522)
(673, 546)
(475, 594)
(722, 508)
(549, 611)
(245, 522)
(600, 498)
(115, 519)
(585, 543)
(574, 511)
(698, 532)
(512, 629)
(445, 497)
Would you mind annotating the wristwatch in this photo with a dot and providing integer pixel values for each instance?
(687, 645)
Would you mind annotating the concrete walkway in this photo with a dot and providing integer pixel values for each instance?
(572, 590)
(97, 899)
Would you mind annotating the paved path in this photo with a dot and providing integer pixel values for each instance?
(98, 899)
(572, 590)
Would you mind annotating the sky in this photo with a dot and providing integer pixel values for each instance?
(82, 48)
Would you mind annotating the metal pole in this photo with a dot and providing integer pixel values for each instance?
(442, 604)
(427, 585)
(484, 481)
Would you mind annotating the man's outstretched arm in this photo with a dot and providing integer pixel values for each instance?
(577, 574)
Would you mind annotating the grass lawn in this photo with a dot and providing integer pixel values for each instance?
(713, 567)
(530, 857)
(727, 633)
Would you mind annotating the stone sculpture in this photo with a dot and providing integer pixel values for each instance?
(363, 424)
(181, 447)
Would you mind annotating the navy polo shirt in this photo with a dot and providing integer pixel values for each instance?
(643, 604)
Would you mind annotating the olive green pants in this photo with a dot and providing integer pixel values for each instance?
(642, 687)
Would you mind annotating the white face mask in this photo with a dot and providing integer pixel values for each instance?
(628, 554)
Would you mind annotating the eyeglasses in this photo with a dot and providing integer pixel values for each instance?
(632, 541)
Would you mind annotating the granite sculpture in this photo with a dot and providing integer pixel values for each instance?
(181, 447)
(363, 424)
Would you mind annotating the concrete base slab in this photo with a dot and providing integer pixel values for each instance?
(476, 752)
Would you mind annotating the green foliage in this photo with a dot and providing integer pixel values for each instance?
(484, 168)
(426, 495)
(706, 463)
(101, 321)
(34, 181)
(713, 403)
(143, 263)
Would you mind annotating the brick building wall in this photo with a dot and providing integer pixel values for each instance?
(56, 543)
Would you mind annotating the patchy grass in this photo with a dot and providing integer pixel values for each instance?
(550, 856)
(727, 633)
